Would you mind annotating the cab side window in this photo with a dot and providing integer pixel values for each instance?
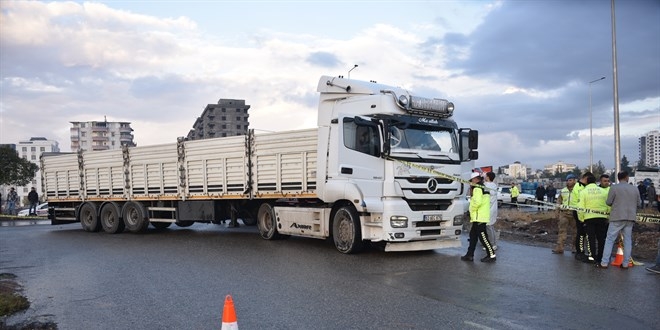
(364, 139)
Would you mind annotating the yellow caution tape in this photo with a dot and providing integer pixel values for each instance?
(651, 218)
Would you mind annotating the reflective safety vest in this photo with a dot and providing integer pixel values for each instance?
(479, 206)
(570, 197)
(514, 192)
(593, 197)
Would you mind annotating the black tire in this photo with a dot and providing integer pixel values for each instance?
(88, 217)
(184, 224)
(346, 230)
(529, 201)
(135, 217)
(248, 217)
(267, 223)
(161, 225)
(111, 219)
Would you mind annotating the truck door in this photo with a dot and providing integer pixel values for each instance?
(359, 155)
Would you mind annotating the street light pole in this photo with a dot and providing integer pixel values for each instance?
(591, 132)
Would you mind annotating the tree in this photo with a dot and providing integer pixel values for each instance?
(599, 169)
(625, 165)
(15, 170)
(577, 172)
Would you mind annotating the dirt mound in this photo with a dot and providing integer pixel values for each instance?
(540, 228)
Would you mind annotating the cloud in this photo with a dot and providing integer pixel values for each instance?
(517, 71)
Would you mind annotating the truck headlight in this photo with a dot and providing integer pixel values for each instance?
(397, 221)
(458, 220)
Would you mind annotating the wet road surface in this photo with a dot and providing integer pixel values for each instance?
(178, 279)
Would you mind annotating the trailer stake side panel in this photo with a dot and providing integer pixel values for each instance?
(61, 177)
(102, 174)
(216, 168)
(284, 164)
(153, 172)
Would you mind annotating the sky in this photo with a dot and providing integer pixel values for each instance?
(517, 71)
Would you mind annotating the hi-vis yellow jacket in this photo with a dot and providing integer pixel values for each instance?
(570, 197)
(479, 206)
(593, 197)
(514, 192)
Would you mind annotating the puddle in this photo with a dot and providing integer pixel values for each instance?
(16, 223)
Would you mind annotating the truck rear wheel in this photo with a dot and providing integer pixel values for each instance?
(88, 217)
(110, 219)
(161, 225)
(346, 231)
(266, 222)
(184, 224)
(135, 217)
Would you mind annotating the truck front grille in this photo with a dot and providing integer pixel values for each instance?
(428, 204)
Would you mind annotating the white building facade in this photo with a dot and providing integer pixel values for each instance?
(31, 150)
(100, 135)
(649, 149)
(560, 167)
(518, 170)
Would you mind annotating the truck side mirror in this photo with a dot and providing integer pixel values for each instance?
(473, 140)
(473, 154)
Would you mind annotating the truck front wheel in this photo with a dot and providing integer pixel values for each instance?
(88, 217)
(346, 231)
(266, 222)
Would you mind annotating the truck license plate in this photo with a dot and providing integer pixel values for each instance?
(432, 217)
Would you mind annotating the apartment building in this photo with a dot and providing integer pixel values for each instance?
(229, 117)
(100, 135)
(31, 150)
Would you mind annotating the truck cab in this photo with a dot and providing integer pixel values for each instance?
(392, 160)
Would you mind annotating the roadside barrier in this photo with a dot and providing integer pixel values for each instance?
(229, 321)
(650, 218)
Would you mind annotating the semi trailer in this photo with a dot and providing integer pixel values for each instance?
(383, 165)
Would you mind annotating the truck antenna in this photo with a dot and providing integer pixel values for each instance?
(349, 71)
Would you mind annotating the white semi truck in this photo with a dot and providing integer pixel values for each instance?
(378, 168)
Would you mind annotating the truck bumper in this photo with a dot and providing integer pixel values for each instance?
(422, 245)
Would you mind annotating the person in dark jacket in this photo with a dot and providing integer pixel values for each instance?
(540, 193)
(551, 192)
(33, 198)
(642, 192)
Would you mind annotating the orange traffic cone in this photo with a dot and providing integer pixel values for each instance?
(618, 258)
(229, 315)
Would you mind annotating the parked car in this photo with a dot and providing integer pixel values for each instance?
(504, 196)
(42, 211)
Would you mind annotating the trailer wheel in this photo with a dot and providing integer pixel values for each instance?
(184, 224)
(248, 217)
(266, 222)
(161, 225)
(110, 219)
(346, 230)
(88, 217)
(135, 217)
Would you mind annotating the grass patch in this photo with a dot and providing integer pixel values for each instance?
(11, 301)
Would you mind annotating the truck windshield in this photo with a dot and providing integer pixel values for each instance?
(423, 138)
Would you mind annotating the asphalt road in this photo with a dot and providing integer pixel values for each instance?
(178, 279)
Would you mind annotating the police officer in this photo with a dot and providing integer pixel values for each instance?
(479, 217)
(568, 196)
(593, 198)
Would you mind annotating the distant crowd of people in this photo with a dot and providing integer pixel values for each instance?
(12, 202)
